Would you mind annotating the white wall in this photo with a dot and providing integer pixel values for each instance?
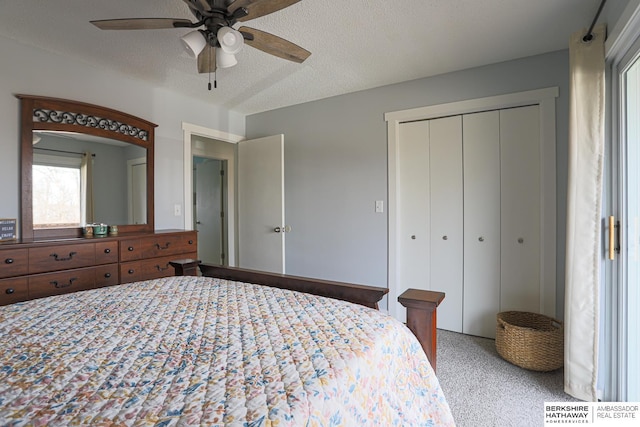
(28, 70)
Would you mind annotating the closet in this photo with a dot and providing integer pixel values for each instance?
(469, 211)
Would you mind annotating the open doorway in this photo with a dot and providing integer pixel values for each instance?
(210, 209)
(211, 144)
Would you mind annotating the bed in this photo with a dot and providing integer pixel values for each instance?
(196, 350)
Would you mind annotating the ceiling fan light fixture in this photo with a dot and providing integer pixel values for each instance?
(231, 41)
(194, 42)
(224, 59)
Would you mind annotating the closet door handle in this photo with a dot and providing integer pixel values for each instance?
(480, 239)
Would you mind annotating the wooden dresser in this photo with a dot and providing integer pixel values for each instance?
(38, 269)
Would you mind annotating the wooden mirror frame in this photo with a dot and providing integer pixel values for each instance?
(54, 114)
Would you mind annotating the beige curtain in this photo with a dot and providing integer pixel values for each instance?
(584, 199)
(86, 169)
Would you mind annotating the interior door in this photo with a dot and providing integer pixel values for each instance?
(520, 210)
(138, 192)
(481, 160)
(446, 218)
(261, 225)
(412, 207)
(208, 188)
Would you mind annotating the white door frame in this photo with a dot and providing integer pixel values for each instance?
(188, 130)
(546, 99)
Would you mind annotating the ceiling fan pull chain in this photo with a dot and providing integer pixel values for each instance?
(215, 80)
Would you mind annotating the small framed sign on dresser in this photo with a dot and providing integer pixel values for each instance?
(7, 229)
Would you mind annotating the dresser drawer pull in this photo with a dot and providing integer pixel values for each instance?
(8, 261)
(131, 271)
(107, 251)
(191, 242)
(163, 247)
(63, 285)
(9, 291)
(71, 254)
(130, 248)
(107, 275)
(162, 269)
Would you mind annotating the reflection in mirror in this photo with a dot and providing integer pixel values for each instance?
(81, 179)
(114, 196)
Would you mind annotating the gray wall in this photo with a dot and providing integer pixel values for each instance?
(336, 163)
(22, 71)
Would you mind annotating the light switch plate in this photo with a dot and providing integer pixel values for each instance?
(379, 206)
(177, 210)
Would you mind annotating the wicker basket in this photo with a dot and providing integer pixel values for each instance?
(530, 340)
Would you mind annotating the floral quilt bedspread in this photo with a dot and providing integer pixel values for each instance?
(199, 351)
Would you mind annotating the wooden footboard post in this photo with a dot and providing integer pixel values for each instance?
(421, 318)
(185, 267)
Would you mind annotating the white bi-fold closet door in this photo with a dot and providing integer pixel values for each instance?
(468, 206)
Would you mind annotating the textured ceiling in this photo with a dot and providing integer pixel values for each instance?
(355, 44)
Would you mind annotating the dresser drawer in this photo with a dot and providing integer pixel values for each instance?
(106, 252)
(61, 257)
(13, 290)
(14, 262)
(107, 275)
(158, 245)
(171, 244)
(130, 250)
(44, 285)
(152, 268)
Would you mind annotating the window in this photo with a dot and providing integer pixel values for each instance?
(57, 189)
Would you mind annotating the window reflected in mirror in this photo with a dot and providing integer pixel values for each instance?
(57, 200)
(81, 179)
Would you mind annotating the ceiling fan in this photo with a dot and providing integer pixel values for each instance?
(217, 42)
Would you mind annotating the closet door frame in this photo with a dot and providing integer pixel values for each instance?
(546, 100)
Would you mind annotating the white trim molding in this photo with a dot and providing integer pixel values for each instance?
(189, 130)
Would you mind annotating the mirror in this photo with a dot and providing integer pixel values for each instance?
(83, 164)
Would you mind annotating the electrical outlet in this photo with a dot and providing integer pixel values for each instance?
(177, 210)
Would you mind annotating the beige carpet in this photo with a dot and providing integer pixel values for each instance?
(485, 390)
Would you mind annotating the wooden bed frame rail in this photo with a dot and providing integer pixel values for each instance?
(421, 305)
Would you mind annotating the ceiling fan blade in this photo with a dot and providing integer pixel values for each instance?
(142, 23)
(275, 45)
(207, 60)
(201, 5)
(258, 8)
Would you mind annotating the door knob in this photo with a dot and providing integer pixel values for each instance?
(277, 230)
(481, 239)
(285, 229)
